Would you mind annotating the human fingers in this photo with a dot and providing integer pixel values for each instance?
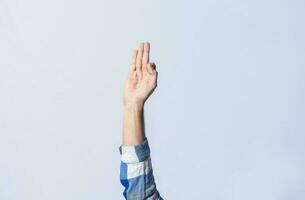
(139, 59)
(145, 57)
(151, 68)
(146, 53)
(133, 61)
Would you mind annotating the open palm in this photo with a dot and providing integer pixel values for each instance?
(142, 78)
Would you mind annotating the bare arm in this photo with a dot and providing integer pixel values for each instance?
(141, 82)
(136, 172)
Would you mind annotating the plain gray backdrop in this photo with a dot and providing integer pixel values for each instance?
(226, 122)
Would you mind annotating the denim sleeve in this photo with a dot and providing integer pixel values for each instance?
(136, 173)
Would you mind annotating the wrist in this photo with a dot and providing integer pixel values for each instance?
(134, 106)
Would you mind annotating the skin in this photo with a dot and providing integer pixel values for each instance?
(140, 84)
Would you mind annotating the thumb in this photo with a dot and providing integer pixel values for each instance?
(151, 67)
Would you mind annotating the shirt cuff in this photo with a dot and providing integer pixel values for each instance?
(136, 153)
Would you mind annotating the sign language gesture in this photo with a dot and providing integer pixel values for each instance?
(142, 78)
(135, 152)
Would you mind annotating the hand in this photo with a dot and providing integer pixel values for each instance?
(142, 78)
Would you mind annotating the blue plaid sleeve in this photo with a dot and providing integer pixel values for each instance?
(136, 173)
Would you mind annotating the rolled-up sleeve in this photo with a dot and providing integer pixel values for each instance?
(136, 173)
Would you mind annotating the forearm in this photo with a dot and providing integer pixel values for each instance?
(136, 172)
(133, 124)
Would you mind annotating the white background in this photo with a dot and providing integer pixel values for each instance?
(226, 122)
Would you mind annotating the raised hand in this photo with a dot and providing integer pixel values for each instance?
(142, 78)
(141, 82)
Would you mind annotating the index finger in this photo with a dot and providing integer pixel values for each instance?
(134, 59)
